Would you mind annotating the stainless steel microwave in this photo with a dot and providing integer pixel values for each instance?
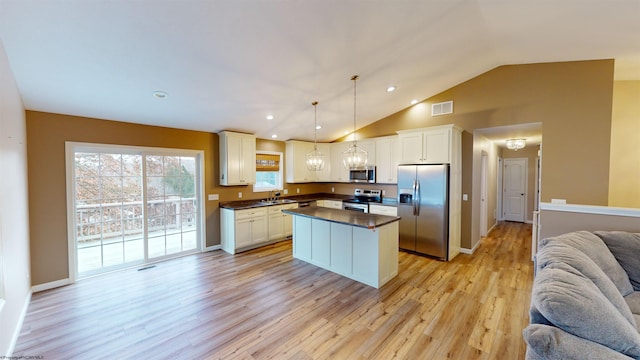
(363, 175)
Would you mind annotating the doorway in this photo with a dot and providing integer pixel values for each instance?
(129, 206)
(514, 199)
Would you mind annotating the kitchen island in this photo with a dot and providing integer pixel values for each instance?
(360, 246)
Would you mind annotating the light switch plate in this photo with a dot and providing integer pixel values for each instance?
(214, 197)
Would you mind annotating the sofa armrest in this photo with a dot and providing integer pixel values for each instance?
(551, 343)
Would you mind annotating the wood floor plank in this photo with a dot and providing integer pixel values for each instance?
(264, 304)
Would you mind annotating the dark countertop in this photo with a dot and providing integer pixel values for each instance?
(249, 204)
(347, 217)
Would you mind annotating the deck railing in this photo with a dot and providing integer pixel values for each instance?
(118, 219)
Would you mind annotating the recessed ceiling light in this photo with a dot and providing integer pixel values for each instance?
(391, 88)
(347, 132)
(160, 94)
(414, 101)
(269, 117)
(318, 127)
(274, 136)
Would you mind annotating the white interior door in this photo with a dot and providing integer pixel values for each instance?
(515, 189)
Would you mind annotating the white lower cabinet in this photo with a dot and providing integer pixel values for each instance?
(383, 210)
(321, 250)
(331, 204)
(250, 228)
(341, 249)
(365, 255)
(279, 222)
(302, 238)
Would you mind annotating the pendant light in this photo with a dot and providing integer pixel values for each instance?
(354, 157)
(315, 159)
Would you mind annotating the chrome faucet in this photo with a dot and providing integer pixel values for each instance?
(273, 195)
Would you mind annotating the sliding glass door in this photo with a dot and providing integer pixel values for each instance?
(132, 206)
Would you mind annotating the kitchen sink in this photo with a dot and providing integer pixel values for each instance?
(276, 202)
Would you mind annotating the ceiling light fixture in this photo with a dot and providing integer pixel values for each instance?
(269, 117)
(391, 88)
(515, 144)
(354, 157)
(160, 94)
(318, 127)
(315, 159)
(414, 101)
(274, 136)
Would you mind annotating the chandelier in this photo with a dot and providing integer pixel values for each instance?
(354, 157)
(315, 159)
(516, 144)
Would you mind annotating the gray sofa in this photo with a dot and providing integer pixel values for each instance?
(585, 301)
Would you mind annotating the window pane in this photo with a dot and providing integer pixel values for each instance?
(267, 179)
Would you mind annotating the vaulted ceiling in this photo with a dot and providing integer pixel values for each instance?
(227, 64)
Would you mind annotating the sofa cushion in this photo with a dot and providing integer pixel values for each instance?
(560, 253)
(625, 247)
(573, 303)
(633, 300)
(592, 246)
(550, 343)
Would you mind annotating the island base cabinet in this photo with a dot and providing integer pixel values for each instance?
(341, 243)
(320, 249)
(369, 256)
(302, 238)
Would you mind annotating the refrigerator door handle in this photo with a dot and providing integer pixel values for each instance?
(416, 196)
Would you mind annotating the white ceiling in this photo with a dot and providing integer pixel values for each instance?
(227, 64)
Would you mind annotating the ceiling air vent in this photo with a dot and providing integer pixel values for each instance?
(442, 108)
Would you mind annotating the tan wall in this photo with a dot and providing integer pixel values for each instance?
(14, 215)
(624, 174)
(562, 222)
(47, 134)
(530, 153)
(572, 100)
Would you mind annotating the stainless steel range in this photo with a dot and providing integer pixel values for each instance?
(361, 199)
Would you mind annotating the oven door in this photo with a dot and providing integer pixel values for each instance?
(364, 208)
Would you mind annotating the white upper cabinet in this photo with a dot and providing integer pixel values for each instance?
(237, 158)
(338, 172)
(387, 159)
(368, 145)
(296, 162)
(324, 175)
(426, 146)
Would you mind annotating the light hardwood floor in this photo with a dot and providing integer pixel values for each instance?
(264, 304)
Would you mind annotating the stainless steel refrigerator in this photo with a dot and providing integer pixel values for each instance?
(423, 205)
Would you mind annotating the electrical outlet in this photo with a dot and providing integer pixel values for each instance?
(384, 193)
(214, 197)
(465, 197)
(333, 189)
(297, 190)
(240, 195)
(286, 191)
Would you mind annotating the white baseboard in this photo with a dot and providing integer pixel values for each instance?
(16, 331)
(492, 227)
(528, 222)
(472, 250)
(50, 285)
(213, 247)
